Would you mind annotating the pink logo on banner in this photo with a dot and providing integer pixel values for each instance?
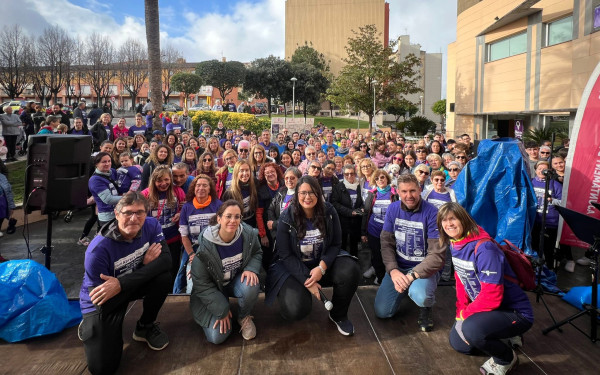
(582, 177)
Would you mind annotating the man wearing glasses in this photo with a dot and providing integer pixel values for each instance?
(243, 149)
(128, 260)
(311, 154)
(544, 153)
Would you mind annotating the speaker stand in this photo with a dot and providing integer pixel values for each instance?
(47, 249)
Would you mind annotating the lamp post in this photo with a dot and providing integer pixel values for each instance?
(374, 82)
(421, 98)
(293, 79)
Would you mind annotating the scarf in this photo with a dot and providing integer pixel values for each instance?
(385, 190)
(350, 186)
(198, 205)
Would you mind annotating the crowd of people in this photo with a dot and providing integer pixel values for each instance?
(206, 213)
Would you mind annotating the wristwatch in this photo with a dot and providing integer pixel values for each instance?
(322, 270)
(411, 273)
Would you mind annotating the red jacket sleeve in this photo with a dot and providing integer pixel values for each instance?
(260, 223)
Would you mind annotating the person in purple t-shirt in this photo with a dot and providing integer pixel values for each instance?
(411, 254)
(492, 311)
(128, 260)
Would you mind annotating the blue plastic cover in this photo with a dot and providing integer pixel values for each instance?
(580, 295)
(495, 188)
(32, 302)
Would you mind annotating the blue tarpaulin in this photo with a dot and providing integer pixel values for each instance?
(32, 302)
(495, 188)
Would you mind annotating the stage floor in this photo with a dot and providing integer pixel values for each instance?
(314, 346)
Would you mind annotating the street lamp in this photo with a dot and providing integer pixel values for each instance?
(374, 82)
(293, 79)
(421, 98)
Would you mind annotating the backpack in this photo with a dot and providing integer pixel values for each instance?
(519, 263)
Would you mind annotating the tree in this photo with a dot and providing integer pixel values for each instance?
(172, 63)
(224, 75)
(312, 74)
(269, 78)
(54, 58)
(401, 107)
(154, 62)
(187, 83)
(132, 67)
(371, 70)
(101, 67)
(439, 108)
(15, 60)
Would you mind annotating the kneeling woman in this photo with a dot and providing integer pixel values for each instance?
(308, 245)
(226, 265)
(490, 305)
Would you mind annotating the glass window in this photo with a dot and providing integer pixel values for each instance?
(559, 31)
(507, 47)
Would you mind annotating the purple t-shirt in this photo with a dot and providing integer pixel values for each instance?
(377, 218)
(365, 188)
(286, 202)
(228, 180)
(115, 258)
(353, 196)
(411, 231)
(231, 259)
(164, 214)
(173, 127)
(129, 178)
(311, 246)
(555, 191)
(489, 266)
(192, 220)
(439, 199)
(135, 130)
(327, 188)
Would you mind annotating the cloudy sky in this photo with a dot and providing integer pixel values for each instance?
(208, 29)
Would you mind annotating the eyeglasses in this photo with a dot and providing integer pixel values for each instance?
(419, 151)
(425, 173)
(439, 179)
(310, 153)
(544, 153)
(363, 146)
(398, 159)
(365, 167)
(129, 214)
(243, 150)
(258, 153)
(381, 177)
(453, 170)
(232, 217)
(461, 157)
(303, 194)
(350, 174)
(316, 167)
(226, 159)
(290, 178)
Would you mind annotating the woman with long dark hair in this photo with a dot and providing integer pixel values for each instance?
(308, 246)
(104, 188)
(270, 179)
(161, 155)
(224, 175)
(206, 165)
(283, 198)
(226, 265)
(490, 305)
(243, 190)
(347, 199)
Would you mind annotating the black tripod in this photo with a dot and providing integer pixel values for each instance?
(587, 229)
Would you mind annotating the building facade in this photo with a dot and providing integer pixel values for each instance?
(519, 63)
(431, 77)
(326, 25)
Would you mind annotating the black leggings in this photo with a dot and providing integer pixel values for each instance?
(175, 249)
(376, 260)
(11, 145)
(295, 301)
(89, 224)
(102, 331)
(351, 234)
(549, 242)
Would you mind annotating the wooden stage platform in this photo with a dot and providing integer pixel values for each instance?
(314, 346)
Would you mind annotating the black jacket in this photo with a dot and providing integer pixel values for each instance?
(340, 199)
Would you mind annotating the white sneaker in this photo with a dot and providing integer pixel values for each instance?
(1, 234)
(248, 329)
(492, 368)
(584, 261)
(570, 266)
(369, 273)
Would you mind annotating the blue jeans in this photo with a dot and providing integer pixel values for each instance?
(421, 291)
(182, 284)
(247, 296)
(484, 330)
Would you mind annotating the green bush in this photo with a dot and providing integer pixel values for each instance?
(231, 120)
(419, 124)
(401, 126)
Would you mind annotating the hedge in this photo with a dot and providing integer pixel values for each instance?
(231, 120)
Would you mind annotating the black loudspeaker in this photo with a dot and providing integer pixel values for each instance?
(57, 172)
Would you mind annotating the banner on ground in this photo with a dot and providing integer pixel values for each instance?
(582, 174)
(300, 124)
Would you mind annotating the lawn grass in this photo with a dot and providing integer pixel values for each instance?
(16, 177)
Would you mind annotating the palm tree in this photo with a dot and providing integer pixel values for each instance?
(154, 65)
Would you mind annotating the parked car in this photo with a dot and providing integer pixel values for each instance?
(200, 107)
(65, 109)
(172, 107)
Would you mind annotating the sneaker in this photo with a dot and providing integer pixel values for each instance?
(584, 261)
(83, 241)
(1, 234)
(369, 273)
(425, 320)
(152, 335)
(570, 266)
(344, 326)
(377, 281)
(248, 329)
(492, 368)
